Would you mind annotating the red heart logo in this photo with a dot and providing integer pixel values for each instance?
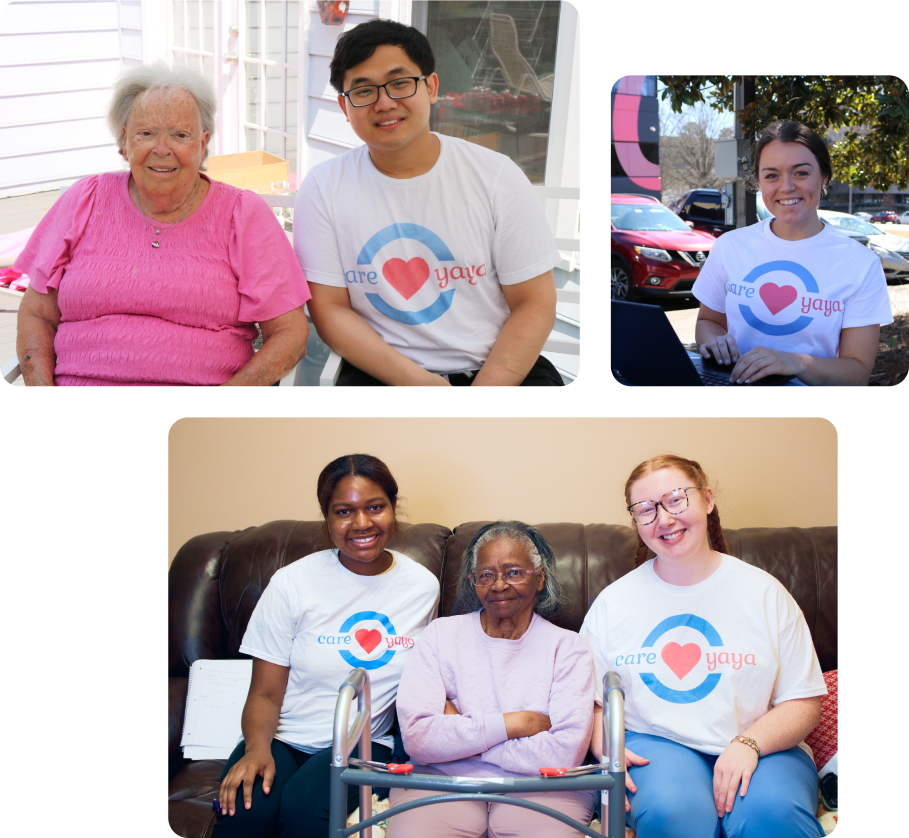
(370, 639)
(776, 297)
(681, 659)
(406, 277)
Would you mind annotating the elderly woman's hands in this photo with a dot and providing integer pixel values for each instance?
(526, 723)
(518, 724)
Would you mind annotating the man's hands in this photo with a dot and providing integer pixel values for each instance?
(733, 767)
(254, 763)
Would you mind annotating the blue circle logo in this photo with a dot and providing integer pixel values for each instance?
(407, 277)
(777, 298)
(367, 639)
(657, 687)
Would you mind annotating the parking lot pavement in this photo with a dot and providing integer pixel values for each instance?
(894, 229)
(683, 320)
(899, 299)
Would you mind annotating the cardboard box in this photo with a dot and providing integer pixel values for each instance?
(254, 170)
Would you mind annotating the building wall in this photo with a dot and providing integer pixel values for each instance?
(58, 59)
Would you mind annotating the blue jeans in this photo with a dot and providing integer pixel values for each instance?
(675, 794)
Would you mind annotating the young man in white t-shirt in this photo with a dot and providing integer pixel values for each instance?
(429, 258)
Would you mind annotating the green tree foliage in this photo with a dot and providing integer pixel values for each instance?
(864, 119)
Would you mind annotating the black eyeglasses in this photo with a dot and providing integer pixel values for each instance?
(368, 94)
(674, 502)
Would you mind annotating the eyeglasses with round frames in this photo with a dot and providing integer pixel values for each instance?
(674, 502)
(368, 94)
(512, 576)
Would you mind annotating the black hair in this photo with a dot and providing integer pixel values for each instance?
(790, 131)
(357, 465)
(355, 46)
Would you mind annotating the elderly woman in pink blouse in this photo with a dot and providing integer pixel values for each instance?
(158, 275)
(497, 692)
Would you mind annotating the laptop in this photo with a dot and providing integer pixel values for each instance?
(646, 352)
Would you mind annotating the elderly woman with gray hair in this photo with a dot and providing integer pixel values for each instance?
(158, 275)
(497, 691)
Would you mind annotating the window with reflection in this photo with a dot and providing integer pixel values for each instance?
(496, 65)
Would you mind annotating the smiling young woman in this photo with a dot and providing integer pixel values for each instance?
(358, 603)
(722, 683)
(791, 295)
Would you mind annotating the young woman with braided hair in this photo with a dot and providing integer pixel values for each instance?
(722, 683)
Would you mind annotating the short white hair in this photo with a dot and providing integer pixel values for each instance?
(159, 76)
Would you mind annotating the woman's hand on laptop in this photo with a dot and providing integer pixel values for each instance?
(761, 361)
(722, 349)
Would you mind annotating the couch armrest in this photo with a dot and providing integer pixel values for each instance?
(176, 704)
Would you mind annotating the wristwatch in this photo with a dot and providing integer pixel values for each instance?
(747, 740)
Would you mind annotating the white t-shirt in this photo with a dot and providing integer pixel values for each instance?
(424, 258)
(321, 620)
(702, 663)
(794, 296)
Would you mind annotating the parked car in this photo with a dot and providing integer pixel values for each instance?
(904, 217)
(654, 252)
(885, 216)
(861, 238)
(704, 209)
(892, 250)
(865, 215)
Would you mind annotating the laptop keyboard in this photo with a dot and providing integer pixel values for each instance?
(715, 379)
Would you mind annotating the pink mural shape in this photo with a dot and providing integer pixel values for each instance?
(626, 106)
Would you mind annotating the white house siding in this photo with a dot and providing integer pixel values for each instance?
(327, 131)
(58, 59)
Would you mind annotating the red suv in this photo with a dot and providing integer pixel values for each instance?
(654, 252)
(885, 216)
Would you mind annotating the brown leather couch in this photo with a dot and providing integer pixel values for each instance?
(216, 580)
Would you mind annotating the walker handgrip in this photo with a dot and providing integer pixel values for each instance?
(574, 772)
(389, 768)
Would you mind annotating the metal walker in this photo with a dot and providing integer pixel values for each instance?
(490, 790)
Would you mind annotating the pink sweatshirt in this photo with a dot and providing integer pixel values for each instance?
(178, 314)
(548, 670)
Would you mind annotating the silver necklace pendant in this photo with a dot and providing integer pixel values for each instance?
(157, 232)
(156, 244)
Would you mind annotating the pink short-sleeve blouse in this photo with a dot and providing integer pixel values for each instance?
(178, 314)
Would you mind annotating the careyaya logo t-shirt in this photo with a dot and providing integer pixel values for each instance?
(424, 259)
(701, 663)
(321, 620)
(793, 296)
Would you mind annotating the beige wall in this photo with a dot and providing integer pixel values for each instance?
(226, 474)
